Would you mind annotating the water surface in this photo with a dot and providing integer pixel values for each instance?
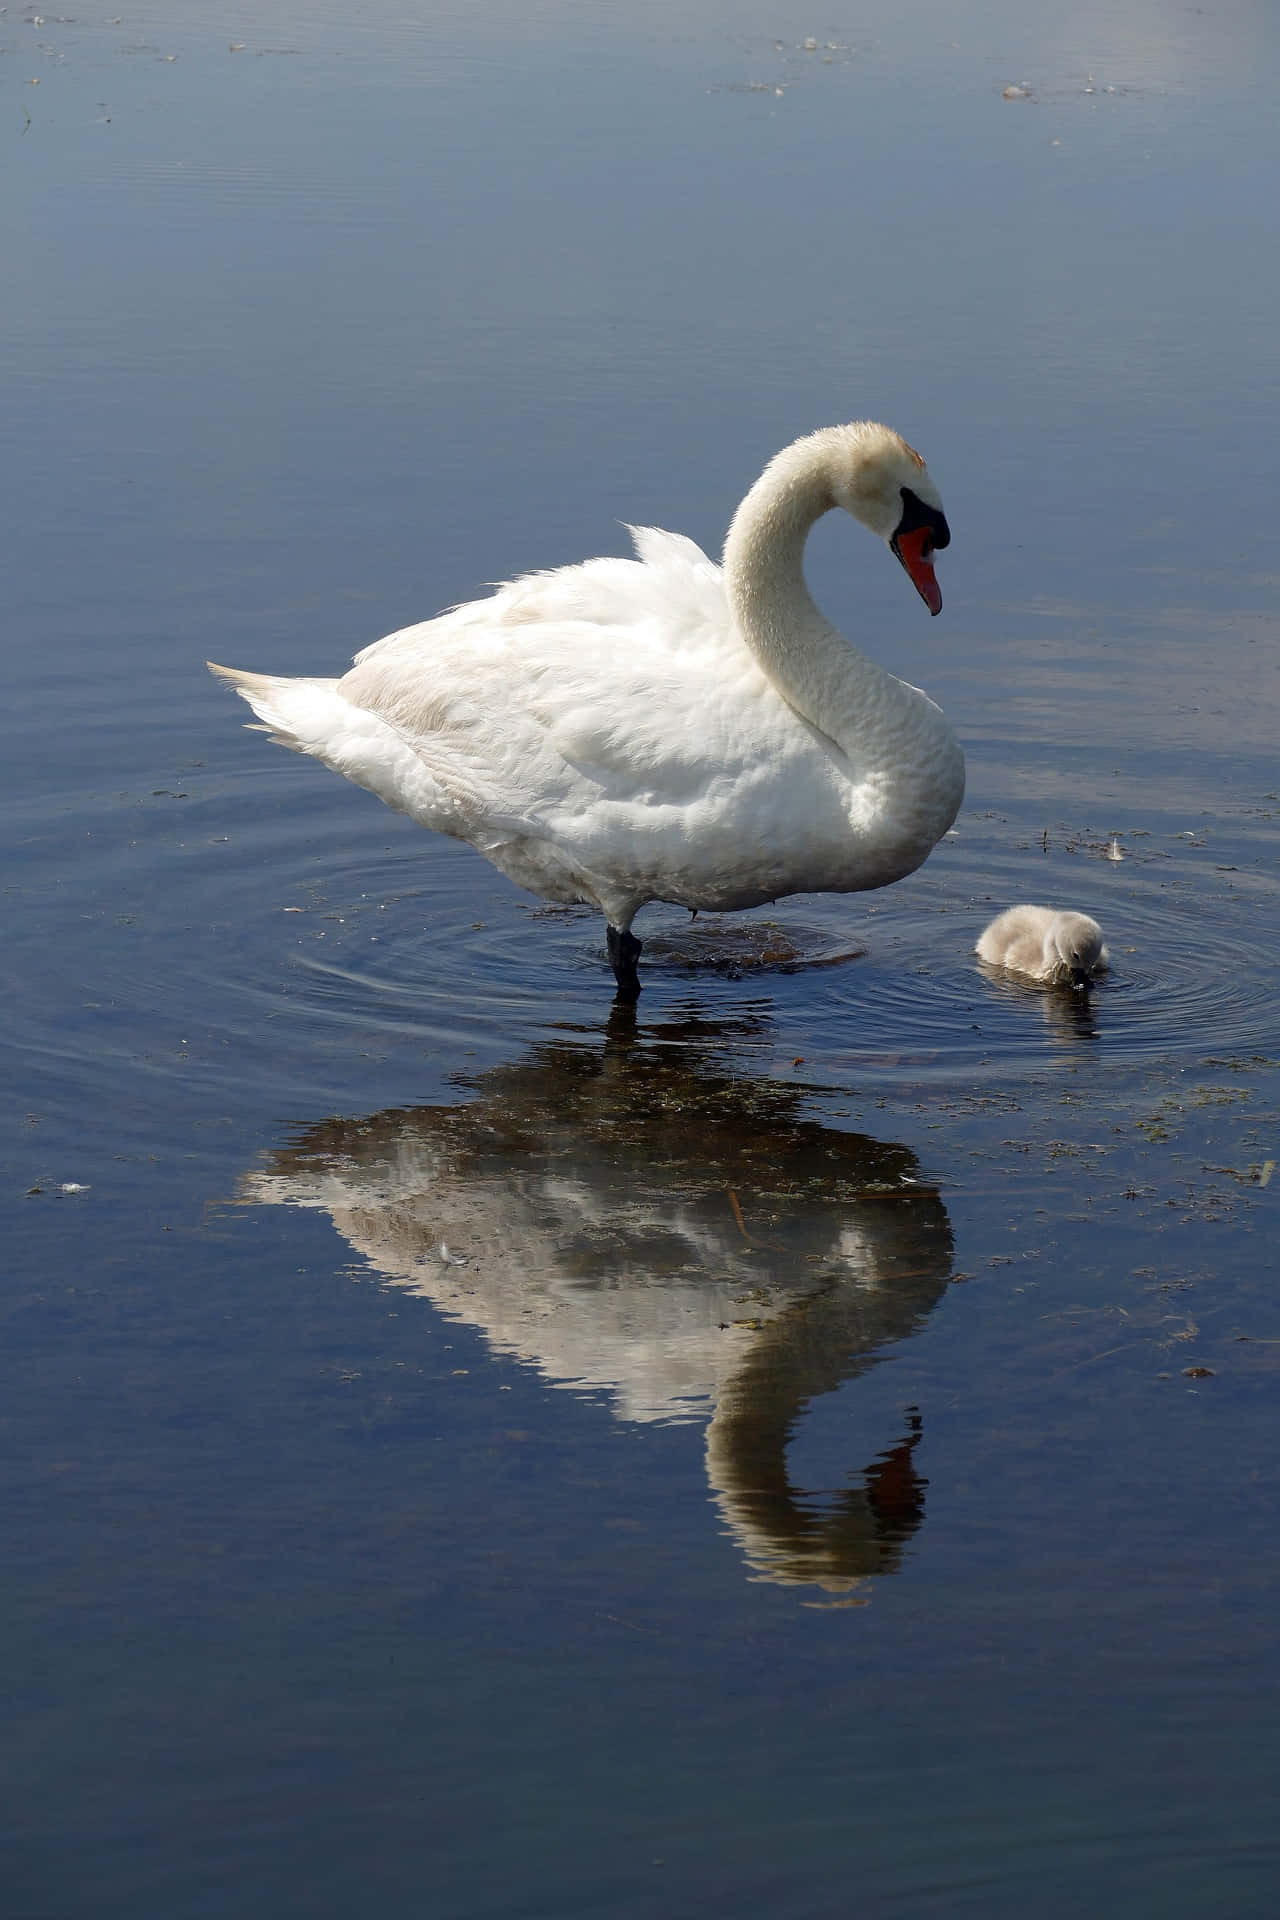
(473, 1451)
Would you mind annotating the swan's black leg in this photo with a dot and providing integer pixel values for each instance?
(624, 951)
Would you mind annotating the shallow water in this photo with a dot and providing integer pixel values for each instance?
(478, 1451)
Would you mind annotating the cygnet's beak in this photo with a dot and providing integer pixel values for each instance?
(1081, 977)
(915, 550)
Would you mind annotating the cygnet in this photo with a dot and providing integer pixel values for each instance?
(1046, 945)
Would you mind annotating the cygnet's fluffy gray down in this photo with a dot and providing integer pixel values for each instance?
(1057, 948)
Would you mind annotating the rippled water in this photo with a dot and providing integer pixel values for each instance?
(477, 1449)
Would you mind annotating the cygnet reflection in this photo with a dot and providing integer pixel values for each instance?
(1072, 1020)
(642, 1223)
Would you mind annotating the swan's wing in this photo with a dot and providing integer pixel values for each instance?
(671, 592)
(614, 681)
(688, 587)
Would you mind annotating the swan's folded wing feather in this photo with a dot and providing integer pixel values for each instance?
(618, 679)
(672, 595)
(691, 586)
(528, 746)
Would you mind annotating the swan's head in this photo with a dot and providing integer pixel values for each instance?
(1073, 948)
(885, 484)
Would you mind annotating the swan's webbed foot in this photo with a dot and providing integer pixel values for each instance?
(624, 951)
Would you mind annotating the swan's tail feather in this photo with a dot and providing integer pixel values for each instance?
(313, 716)
(284, 706)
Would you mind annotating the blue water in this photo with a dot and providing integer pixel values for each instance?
(802, 1447)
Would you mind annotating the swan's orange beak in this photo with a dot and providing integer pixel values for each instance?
(915, 550)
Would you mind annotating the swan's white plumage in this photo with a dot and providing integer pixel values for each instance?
(630, 730)
(1046, 944)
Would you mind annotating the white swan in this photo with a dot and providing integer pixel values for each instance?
(1045, 944)
(658, 729)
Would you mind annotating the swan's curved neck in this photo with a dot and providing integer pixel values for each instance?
(818, 671)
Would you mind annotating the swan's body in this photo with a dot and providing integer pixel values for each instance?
(661, 729)
(1055, 948)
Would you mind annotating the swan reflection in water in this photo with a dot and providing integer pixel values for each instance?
(644, 1223)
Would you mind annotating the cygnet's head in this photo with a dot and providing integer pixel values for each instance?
(885, 484)
(1073, 943)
